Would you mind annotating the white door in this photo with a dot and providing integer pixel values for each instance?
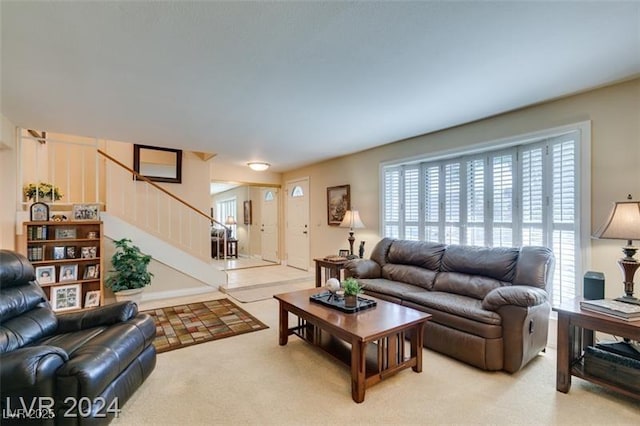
(269, 224)
(297, 224)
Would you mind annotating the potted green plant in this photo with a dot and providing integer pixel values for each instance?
(46, 191)
(129, 275)
(351, 289)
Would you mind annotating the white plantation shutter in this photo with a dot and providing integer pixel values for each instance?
(502, 202)
(392, 203)
(564, 201)
(525, 195)
(411, 203)
(475, 202)
(451, 200)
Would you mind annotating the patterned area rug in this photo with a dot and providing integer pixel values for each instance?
(186, 325)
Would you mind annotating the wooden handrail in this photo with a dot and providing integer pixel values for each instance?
(138, 176)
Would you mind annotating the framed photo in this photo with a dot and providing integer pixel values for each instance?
(343, 253)
(91, 272)
(247, 212)
(338, 202)
(86, 212)
(89, 252)
(92, 299)
(68, 273)
(70, 252)
(46, 274)
(66, 297)
(39, 212)
(65, 233)
(58, 252)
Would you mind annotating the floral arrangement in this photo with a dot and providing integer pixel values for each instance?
(43, 189)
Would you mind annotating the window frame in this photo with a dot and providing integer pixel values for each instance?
(583, 178)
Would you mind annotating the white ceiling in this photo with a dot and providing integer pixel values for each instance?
(292, 83)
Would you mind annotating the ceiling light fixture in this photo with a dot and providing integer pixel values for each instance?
(258, 166)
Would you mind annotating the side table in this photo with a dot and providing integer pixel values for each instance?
(332, 269)
(576, 329)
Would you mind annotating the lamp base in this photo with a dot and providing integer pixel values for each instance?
(628, 299)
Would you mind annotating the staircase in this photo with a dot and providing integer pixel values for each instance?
(172, 231)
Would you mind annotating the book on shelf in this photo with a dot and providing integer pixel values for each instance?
(614, 308)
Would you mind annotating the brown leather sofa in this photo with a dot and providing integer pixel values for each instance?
(490, 306)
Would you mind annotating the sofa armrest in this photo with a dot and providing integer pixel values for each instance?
(517, 295)
(32, 367)
(104, 315)
(362, 268)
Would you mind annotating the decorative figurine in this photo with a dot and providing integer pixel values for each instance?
(333, 285)
(361, 249)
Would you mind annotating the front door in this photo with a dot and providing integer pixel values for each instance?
(269, 224)
(297, 224)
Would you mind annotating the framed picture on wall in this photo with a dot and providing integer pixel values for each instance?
(247, 212)
(338, 202)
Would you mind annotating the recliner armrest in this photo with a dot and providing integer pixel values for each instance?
(363, 268)
(104, 315)
(517, 295)
(31, 366)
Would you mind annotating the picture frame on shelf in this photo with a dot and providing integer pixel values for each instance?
(39, 212)
(343, 252)
(66, 297)
(70, 252)
(86, 212)
(68, 273)
(65, 233)
(91, 272)
(59, 252)
(46, 274)
(92, 299)
(338, 202)
(89, 252)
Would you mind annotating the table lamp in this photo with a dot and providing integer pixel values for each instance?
(623, 223)
(351, 220)
(230, 221)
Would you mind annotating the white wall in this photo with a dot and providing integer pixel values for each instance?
(8, 182)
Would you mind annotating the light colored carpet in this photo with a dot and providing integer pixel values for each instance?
(251, 380)
(266, 291)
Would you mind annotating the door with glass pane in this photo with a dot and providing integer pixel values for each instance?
(269, 224)
(297, 224)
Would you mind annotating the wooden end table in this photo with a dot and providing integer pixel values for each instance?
(371, 342)
(332, 269)
(576, 329)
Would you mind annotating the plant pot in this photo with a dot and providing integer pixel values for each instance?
(134, 295)
(350, 301)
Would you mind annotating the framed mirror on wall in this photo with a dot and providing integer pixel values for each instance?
(158, 164)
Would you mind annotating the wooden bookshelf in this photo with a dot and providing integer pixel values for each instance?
(68, 260)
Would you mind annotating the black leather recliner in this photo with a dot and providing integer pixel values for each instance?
(71, 369)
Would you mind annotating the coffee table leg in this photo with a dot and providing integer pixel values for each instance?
(416, 347)
(358, 366)
(284, 326)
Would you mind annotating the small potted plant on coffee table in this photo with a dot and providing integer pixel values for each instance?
(351, 289)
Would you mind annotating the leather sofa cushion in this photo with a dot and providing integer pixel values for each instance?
(391, 288)
(27, 328)
(97, 363)
(461, 306)
(16, 269)
(424, 254)
(409, 274)
(475, 286)
(20, 299)
(493, 262)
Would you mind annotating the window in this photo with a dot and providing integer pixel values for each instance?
(226, 208)
(297, 191)
(526, 194)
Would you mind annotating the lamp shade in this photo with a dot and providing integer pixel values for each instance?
(230, 220)
(352, 220)
(623, 222)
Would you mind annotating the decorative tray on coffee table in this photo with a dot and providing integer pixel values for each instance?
(337, 302)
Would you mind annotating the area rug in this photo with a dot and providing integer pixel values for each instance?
(193, 323)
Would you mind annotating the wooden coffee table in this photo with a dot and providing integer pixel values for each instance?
(372, 341)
